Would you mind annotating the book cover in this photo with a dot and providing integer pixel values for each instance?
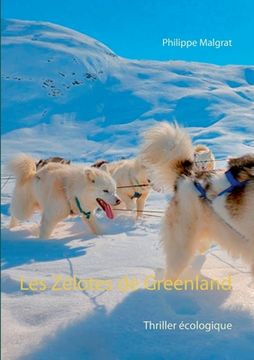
(127, 180)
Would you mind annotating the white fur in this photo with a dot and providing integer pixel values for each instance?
(53, 189)
(189, 220)
(128, 173)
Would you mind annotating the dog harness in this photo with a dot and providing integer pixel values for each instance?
(234, 184)
(86, 213)
(136, 195)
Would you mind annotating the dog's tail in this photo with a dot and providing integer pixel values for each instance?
(23, 167)
(168, 153)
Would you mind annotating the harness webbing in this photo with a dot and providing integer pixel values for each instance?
(86, 213)
(234, 183)
(200, 189)
(136, 195)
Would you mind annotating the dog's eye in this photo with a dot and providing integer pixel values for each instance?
(106, 191)
(148, 180)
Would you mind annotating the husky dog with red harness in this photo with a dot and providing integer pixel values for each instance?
(215, 205)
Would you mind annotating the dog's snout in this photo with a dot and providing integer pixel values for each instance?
(118, 201)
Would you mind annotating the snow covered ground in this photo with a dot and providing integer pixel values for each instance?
(66, 94)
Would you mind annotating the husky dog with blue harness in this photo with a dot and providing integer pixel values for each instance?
(216, 206)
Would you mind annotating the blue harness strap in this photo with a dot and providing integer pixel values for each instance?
(200, 189)
(234, 184)
(136, 195)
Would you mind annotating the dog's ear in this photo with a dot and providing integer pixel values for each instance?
(104, 167)
(90, 175)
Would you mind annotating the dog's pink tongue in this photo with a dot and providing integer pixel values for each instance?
(108, 211)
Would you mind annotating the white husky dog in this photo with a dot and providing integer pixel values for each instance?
(208, 205)
(59, 190)
(129, 175)
(204, 159)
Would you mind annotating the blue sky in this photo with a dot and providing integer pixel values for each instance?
(134, 28)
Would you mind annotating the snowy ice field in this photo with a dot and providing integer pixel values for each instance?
(66, 94)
